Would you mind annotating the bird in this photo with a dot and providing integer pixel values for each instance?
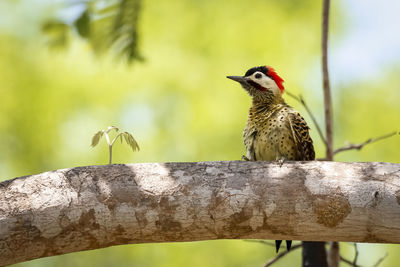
(274, 130)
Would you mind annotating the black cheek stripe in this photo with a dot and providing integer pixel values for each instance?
(257, 86)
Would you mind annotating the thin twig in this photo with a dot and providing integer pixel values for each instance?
(380, 260)
(262, 242)
(334, 252)
(301, 100)
(361, 145)
(349, 262)
(326, 85)
(355, 254)
(280, 255)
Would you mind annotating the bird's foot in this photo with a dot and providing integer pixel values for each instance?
(245, 158)
(280, 161)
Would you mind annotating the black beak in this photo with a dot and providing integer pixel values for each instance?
(239, 79)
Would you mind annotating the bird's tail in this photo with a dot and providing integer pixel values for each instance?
(279, 242)
(277, 245)
(288, 244)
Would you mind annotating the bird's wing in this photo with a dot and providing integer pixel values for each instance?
(249, 140)
(302, 137)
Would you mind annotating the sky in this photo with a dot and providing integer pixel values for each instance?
(371, 43)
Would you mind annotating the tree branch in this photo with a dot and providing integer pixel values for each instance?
(355, 254)
(281, 255)
(380, 260)
(349, 262)
(326, 85)
(361, 145)
(84, 208)
(262, 242)
(333, 254)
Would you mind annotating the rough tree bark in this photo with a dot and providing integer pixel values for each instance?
(92, 207)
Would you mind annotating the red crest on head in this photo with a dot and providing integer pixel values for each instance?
(278, 80)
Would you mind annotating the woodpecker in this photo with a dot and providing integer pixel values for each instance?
(274, 130)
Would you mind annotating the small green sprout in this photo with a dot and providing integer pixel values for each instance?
(123, 136)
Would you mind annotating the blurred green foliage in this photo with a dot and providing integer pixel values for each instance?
(177, 103)
(107, 25)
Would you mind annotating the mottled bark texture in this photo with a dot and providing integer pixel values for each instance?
(92, 207)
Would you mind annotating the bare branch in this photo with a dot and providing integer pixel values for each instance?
(333, 254)
(301, 100)
(349, 262)
(262, 242)
(92, 207)
(355, 254)
(326, 85)
(281, 255)
(380, 260)
(361, 145)
(327, 103)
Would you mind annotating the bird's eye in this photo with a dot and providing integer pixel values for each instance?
(258, 76)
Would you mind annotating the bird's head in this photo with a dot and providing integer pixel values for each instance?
(260, 82)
